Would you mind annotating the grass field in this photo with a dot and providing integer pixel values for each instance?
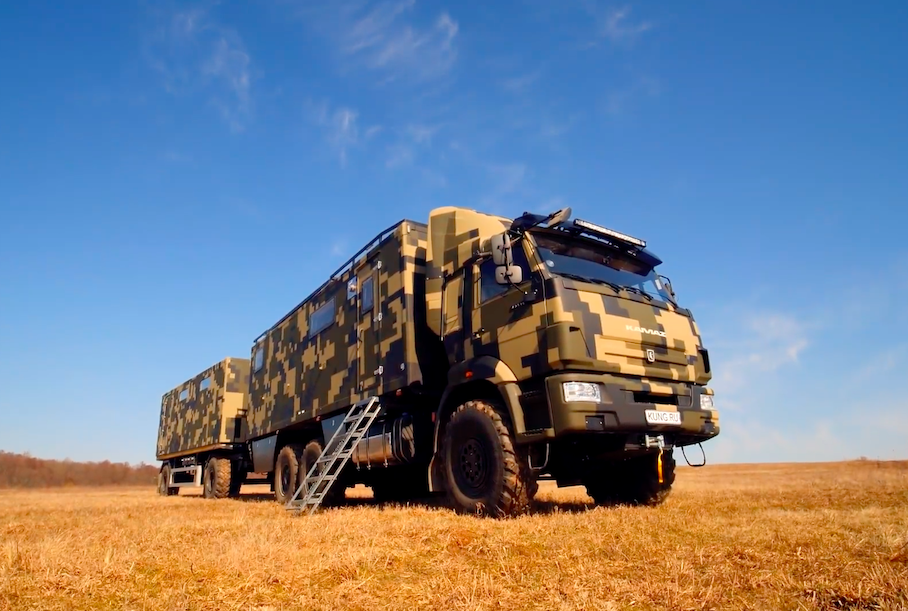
(810, 536)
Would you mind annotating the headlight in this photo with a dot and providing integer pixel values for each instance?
(706, 402)
(581, 391)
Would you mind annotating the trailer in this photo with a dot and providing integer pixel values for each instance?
(469, 356)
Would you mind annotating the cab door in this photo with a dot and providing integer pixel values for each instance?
(500, 317)
(456, 310)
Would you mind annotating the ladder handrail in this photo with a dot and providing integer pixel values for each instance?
(365, 412)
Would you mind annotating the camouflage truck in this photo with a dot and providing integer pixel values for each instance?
(502, 351)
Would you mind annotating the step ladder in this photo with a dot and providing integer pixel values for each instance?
(315, 486)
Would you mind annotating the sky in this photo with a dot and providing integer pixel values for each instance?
(175, 177)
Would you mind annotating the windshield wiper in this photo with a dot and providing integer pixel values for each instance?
(634, 289)
(570, 276)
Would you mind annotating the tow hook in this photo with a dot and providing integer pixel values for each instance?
(656, 441)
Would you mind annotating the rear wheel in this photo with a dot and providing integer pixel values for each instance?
(483, 469)
(311, 453)
(163, 480)
(286, 473)
(634, 481)
(237, 477)
(216, 478)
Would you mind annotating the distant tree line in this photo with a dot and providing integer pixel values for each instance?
(26, 471)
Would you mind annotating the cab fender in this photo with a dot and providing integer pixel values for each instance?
(484, 377)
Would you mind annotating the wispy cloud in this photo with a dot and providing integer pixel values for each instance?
(760, 344)
(422, 134)
(620, 101)
(386, 37)
(615, 25)
(339, 126)
(617, 28)
(194, 54)
(398, 155)
(522, 82)
(505, 181)
(411, 139)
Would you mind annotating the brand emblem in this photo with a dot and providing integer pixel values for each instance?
(650, 355)
(644, 330)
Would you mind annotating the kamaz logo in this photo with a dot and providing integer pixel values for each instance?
(645, 330)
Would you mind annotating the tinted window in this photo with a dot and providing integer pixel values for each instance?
(204, 384)
(184, 394)
(322, 318)
(368, 296)
(488, 288)
(259, 358)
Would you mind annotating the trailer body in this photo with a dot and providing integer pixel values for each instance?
(206, 412)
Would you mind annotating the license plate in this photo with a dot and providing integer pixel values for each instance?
(654, 416)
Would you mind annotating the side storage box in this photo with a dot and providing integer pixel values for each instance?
(206, 412)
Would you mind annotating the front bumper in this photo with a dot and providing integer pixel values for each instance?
(623, 405)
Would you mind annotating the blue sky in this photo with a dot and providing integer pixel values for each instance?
(175, 177)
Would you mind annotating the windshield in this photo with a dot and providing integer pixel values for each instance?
(581, 261)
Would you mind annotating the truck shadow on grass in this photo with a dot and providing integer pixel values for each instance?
(537, 507)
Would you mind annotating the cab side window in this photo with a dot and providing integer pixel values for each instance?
(488, 288)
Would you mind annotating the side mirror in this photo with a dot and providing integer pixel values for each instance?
(508, 274)
(501, 249)
(667, 284)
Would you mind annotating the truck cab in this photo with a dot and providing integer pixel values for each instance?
(587, 367)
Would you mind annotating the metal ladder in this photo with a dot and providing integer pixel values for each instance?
(315, 486)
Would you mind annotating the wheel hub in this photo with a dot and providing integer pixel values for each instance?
(473, 464)
(285, 478)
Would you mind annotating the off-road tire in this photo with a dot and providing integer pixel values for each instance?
(237, 477)
(311, 453)
(216, 478)
(484, 472)
(163, 478)
(634, 481)
(286, 473)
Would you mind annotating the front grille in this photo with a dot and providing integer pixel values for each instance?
(650, 397)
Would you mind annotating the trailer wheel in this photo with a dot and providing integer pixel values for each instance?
(634, 481)
(286, 473)
(484, 471)
(216, 478)
(163, 479)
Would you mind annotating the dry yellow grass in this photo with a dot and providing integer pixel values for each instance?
(818, 536)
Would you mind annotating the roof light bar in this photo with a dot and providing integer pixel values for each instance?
(610, 232)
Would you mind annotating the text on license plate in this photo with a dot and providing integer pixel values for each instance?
(654, 416)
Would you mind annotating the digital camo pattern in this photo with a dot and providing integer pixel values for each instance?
(568, 325)
(206, 417)
(455, 235)
(362, 352)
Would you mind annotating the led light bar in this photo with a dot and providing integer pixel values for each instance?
(610, 232)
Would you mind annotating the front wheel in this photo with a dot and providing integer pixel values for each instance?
(286, 473)
(484, 471)
(634, 481)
